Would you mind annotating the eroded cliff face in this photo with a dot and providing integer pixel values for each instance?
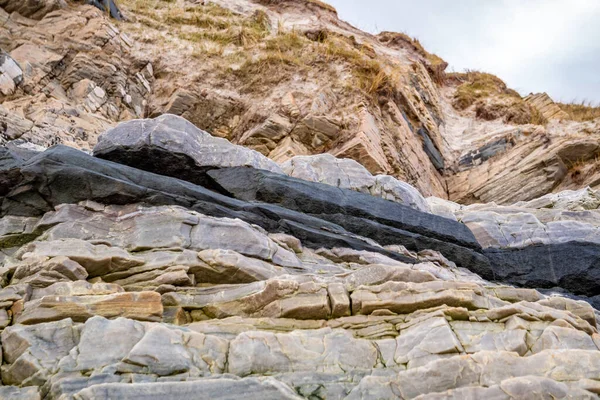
(288, 78)
(261, 210)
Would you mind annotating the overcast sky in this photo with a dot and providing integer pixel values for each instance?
(548, 46)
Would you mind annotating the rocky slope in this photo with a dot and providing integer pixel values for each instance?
(287, 78)
(313, 262)
(213, 270)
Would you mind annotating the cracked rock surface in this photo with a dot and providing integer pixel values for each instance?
(119, 282)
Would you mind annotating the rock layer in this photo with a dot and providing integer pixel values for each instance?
(264, 285)
(175, 264)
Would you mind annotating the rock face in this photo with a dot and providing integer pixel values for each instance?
(349, 174)
(183, 150)
(175, 264)
(546, 106)
(399, 120)
(66, 75)
(11, 74)
(263, 285)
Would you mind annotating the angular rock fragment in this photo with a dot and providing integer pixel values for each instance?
(274, 298)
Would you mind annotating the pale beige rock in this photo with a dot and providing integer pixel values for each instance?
(144, 306)
(226, 266)
(96, 259)
(431, 337)
(555, 337)
(403, 298)
(31, 351)
(546, 106)
(321, 350)
(489, 336)
(273, 298)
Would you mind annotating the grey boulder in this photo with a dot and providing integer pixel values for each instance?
(182, 148)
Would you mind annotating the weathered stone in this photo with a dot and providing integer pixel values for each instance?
(383, 221)
(404, 298)
(573, 266)
(11, 74)
(35, 9)
(163, 351)
(483, 369)
(431, 337)
(488, 336)
(322, 350)
(339, 300)
(249, 388)
(118, 338)
(96, 259)
(16, 393)
(349, 174)
(555, 337)
(140, 143)
(144, 306)
(32, 351)
(273, 298)
(62, 162)
(42, 273)
(226, 266)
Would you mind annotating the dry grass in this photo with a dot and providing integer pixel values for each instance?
(436, 66)
(264, 72)
(318, 3)
(370, 76)
(492, 99)
(511, 110)
(581, 111)
(290, 53)
(265, 56)
(199, 24)
(478, 85)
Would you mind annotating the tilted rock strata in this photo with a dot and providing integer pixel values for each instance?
(78, 76)
(65, 90)
(193, 271)
(196, 291)
(284, 204)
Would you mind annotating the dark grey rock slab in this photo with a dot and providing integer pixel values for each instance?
(62, 175)
(321, 200)
(574, 266)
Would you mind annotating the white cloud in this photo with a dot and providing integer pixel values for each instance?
(534, 45)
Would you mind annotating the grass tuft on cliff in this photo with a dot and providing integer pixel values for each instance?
(435, 65)
(318, 3)
(492, 99)
(581, 111)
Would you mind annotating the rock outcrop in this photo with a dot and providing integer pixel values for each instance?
(258, 284)
(232, 70)
(73, 74)
(314, 262)
(546, 106)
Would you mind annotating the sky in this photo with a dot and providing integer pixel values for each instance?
(550, 46)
